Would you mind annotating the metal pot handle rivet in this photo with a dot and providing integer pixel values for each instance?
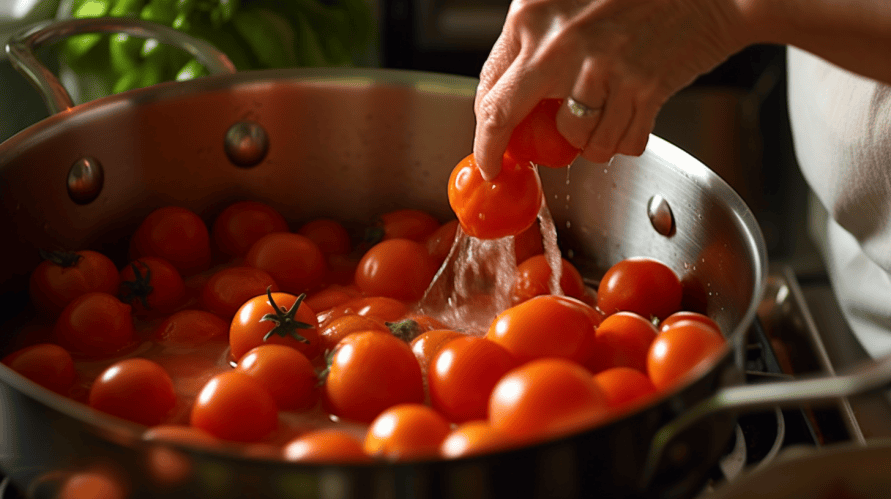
(246, 144)
(85, 180)
(661, 216)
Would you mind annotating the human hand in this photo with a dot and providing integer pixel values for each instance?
(620, 59)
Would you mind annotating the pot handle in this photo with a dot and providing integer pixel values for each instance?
(872, 376)
(22, 46)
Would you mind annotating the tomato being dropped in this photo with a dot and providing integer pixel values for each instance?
(491, 209)
(473, 438)
(624, 386)
(136, 389)
(242, 224)
(175, 234)
(327, 445)
(537, 139)
(48, 365)
(622, 340)
(679, 350)
(228, 289)
(329, 235)
(191, 328)
(406, 431)
(288, 375)
(153, 286)
(63, 276)
(546, 398)
(370, 372)
(234, 406)
(279, 318)
(396, 268)
(534, 279)
(645, 286)
(462, 375)
(295, 262)
(95, 324)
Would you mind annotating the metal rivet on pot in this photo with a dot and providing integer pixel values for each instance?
(246, 143)
(660, 215)
(85, 180)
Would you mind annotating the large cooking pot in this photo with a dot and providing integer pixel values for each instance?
(351, 144)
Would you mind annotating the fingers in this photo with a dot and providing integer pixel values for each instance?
(591, 93)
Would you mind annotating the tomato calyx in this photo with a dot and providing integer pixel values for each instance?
(64, 259)
(406, 329)
(140, 287)
(322, 376)
(285, 323)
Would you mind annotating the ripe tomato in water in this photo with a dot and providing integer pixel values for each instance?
(642, 285)
(624, 386)
(426, 345)
(136, 389)
(295, 262)
(537, 140)
(338, 329)
(234, 406)
(46, 364)
(191, 328)
(534, 279)
(680, 351)
(153, 286)
(406, 431)
(408, 223)
(395, 268)
(95, 325)
(684, 315)
(243, 223)
(63, 276)
(473, 438)
(505, 206)
(292, 324)
(327, 445)
(288, 375)
(329, 235)
(175, 234)
(623, 339)
(228, 289)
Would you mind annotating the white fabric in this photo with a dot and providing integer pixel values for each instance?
(841, 127)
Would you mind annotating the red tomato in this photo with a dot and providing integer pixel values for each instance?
(642, 285)
(405, 432)
(396, 268)
(370, 372)
(175, 234)
(528, 243)
(416, 225)
(545, 326)
(92, 485)
(291, 323)
(426, 345)
(341, 268)
(329, 445)
(678, 352)
(684, 315)
(505, 206)
(473, 438)
(337, 329)
(534, 277)
(329, 235)
(48, 365)
(234, 406)
(228, 289)
(537, 139)
(242, 224)
(62, 277)
(546, 398)
(462, 375)
(624, 386)
(95, 324)
(288, 375)
(379, 307)
(440, 242)
(191, 328)
(330, 297)
(294, 261)
(622, 340)
(153, 286)
(136, 389)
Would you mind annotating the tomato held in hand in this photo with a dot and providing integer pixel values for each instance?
(153, 286)
(286, 373)
(405, 432)
(328, 445)
(242, 224)
(95, 325)
(537, 140)
(644, 286)
(136, 389)
(48, 365)
(396, 268)
(234, 406)
(505, 206)
(175, 234)
(623, 339)
(63, 276)
(228, 289)
(679, 351)
(279, 318)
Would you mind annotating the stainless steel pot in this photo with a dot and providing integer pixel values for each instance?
(350, 144)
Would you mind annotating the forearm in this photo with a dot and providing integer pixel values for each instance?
(853, 34)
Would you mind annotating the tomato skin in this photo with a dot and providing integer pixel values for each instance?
(546, 398)
(135, 389)
(46, 364)
(623, 339)
(338, 329)
(684, 315)
(295, 262)
(678, 352)
(247, 330)
(534, 275)
(228, 289)
(175, 234)
(528, 243)
(94, 325)
(370, 372)
(472, 439)
(288, 375)
(642, 285)
(243, 223)
(537, 139)
(426, 345)
(545, 326)
(191, 328)
(395, 268)
(234, 406)
(440, 242)
(330, 297)
(157, 289)
(416, 225)
(51, 286)
(379, 307)
(624, 387)
(504, 206)
(329, 235)
(405, 432)
(327, 445)
(462, 375)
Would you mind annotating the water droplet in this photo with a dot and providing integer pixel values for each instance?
(568, 224)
